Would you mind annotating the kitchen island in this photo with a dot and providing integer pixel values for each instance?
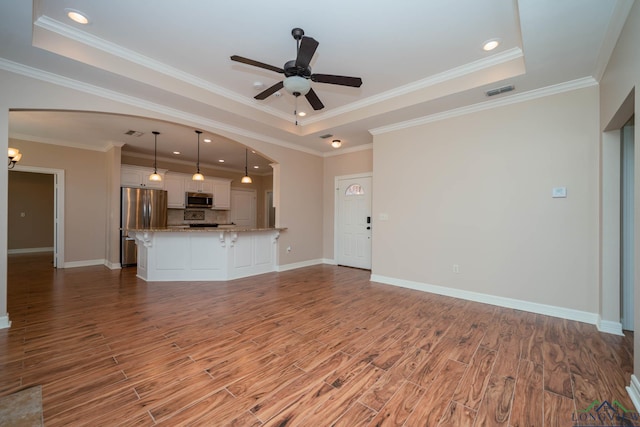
(205, 254)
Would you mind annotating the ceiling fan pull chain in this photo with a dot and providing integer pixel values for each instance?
(295, 109)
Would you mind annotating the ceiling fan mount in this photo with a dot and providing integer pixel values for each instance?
(297, 72)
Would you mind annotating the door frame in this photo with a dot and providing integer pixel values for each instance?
(58, 214)
(336, 211)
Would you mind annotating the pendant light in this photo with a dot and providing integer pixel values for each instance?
(198, 176)
(155, 176)
(246, 179)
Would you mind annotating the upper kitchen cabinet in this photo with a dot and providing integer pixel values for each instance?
(221, 193)
(205, 186)
(175, 186)
(138, 176)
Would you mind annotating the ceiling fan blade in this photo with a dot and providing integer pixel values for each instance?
(273, 89)
(307, 48)
(314, 100)
(256, 64)
(337, 80)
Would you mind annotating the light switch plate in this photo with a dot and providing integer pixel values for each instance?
(559, 192)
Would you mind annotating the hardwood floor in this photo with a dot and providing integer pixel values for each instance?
(316, 346)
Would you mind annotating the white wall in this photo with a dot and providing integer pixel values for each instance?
(475, 191)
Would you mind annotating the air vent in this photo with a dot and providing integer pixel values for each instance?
(500, 90)
(133, 133)
(325, 136)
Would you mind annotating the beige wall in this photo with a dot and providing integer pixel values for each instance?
(85, 208)
(621, 77)
(31, 214)
(476, 190)
(334, 166)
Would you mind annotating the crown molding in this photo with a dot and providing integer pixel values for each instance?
(59, 142)
(487, 105)
(79, 36)
(341, 151)
(173, 113)
(616, 23)
(472, 67)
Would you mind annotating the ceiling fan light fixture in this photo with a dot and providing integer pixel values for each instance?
(297, 85)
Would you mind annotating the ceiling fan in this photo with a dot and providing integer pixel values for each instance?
(298, 72)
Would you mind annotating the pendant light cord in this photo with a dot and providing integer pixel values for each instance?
(198, 162)
(155, 152)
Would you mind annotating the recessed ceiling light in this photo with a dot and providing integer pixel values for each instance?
(77, 16)
(207, 140)
(336, 143)
(302, 114)
(256, 167)
(491, 44)
(176, 152)
(221, 161)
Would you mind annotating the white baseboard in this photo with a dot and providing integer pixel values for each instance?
(610, 327)
(28, 250)
(113, 265)
(634, 392)
(329, 261)
(293, 266)
(549, 310)
(5, 322)
(85, 263)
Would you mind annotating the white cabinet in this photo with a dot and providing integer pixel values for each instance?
(221, 193)
(205, 186)
(138, 176)
(174, 184)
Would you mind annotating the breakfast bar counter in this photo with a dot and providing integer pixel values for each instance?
(205, 254)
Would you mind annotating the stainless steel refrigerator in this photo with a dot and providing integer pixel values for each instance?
(140, 208)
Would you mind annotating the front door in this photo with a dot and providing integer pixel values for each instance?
(354, 222)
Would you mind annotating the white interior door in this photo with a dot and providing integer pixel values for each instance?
(353, 225)
(243, 208)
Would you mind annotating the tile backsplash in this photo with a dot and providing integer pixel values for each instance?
(189, 216)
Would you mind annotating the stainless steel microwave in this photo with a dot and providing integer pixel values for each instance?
(198, 200)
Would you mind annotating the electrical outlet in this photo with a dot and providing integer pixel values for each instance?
(288, 249)
(456, 268)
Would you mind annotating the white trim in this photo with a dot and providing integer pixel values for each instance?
(634, 392)
(487, 105)
(28, 250)
(5, 322)
(329, 261)
(112, 265)
(466, 69)
(340, 152)
(59, 189)
(616, 23)
(85, 263)
(610, 327)
(548, 310)
(175, 114)
(295, 265)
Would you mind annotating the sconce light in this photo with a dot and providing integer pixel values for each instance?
(14, 157)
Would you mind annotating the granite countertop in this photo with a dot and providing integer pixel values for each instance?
(187, 229)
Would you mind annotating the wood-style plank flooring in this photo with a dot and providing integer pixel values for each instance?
(316, 346)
